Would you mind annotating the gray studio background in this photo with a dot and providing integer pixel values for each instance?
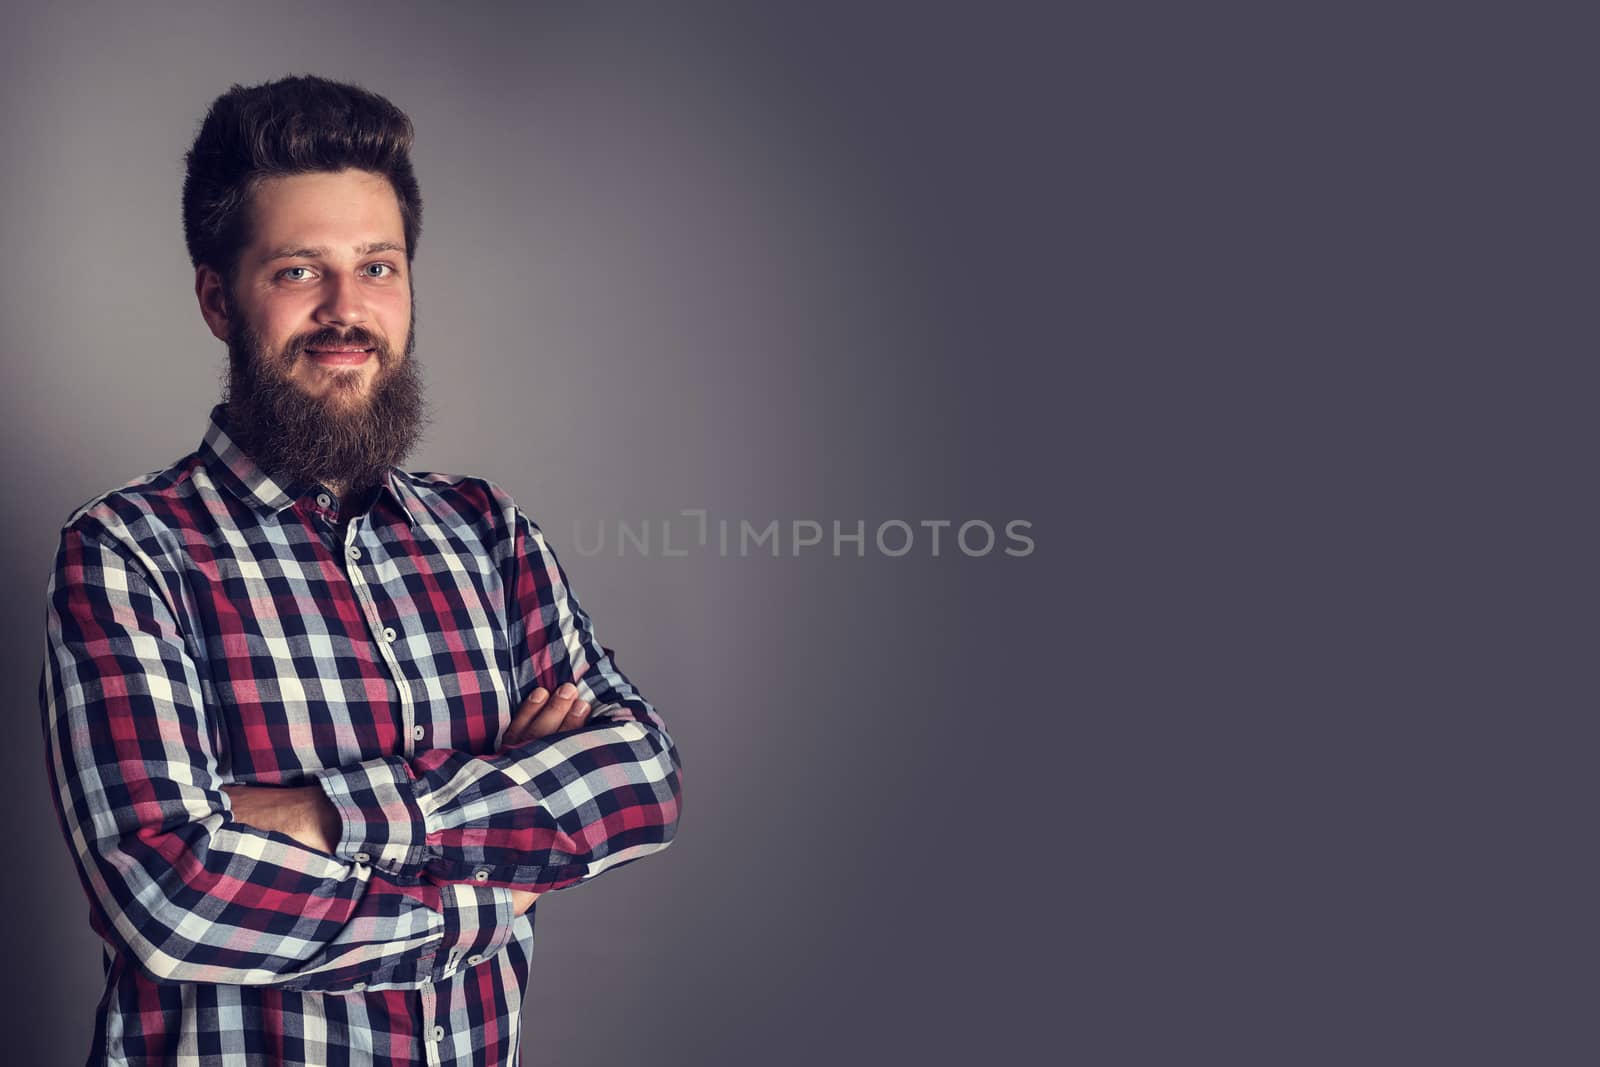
(1253, 310)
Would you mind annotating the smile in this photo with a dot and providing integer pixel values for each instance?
(339, 357)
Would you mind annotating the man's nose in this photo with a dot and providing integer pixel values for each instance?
(342, 303)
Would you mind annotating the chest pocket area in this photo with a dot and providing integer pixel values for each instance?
(449, 642)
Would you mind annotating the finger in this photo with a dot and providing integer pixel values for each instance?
(577, 716)
(518, 727)
(555, 712)
(517, 731)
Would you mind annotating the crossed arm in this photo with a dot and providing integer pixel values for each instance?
(431, 857)
(306, 814)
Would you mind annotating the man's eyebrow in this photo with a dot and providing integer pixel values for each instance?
(322, 253)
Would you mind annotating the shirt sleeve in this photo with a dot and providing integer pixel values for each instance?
(173, 880)
(546, 814)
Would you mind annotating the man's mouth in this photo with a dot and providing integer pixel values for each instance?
(339, 356)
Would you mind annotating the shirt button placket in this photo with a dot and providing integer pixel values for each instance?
(388, 635)
(431, 1031)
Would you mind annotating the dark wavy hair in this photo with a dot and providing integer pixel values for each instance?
(296, 125)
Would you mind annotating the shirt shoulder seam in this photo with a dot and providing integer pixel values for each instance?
(160, 482)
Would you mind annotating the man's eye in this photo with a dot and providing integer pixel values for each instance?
(288, 272)
(383, 270)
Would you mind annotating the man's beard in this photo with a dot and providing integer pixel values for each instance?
(300, 438)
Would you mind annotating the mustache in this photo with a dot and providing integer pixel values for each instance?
(328, 337)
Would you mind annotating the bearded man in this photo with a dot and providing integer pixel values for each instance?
(320, 731)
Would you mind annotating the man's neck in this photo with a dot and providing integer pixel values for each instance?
(350, 500)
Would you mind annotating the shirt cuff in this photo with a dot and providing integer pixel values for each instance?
(382, 822)
(477, 923)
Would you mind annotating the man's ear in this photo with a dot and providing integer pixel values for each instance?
(213, 297)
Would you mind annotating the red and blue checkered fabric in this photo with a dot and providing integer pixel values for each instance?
(207, 625)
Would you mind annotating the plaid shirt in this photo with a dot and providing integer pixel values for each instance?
(207, 626)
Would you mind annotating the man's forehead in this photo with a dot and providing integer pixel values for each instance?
(326, 214)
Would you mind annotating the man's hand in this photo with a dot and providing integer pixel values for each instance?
(540, 716)
(303, 812)
(543, 714)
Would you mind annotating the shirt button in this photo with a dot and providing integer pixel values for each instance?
(353, 552)
(417, 732)
(389, 634)
(438, 1033)
(359, 987)
(475, 958)
(362, 857)
(323, 500)
(481, 874)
